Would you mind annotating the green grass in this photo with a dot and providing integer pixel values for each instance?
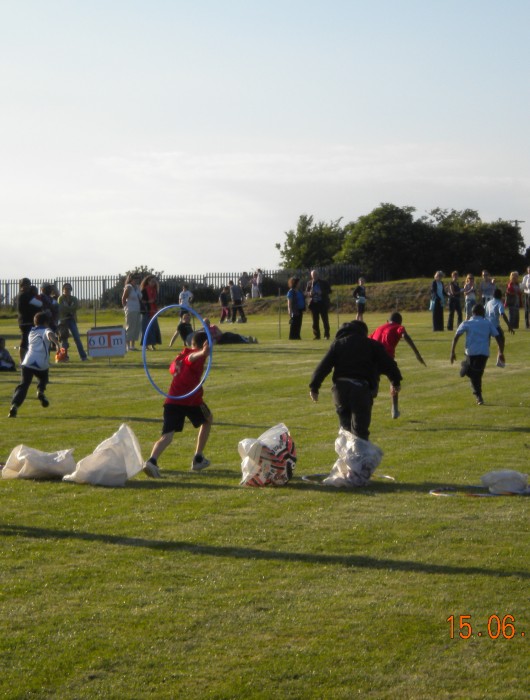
(192, 587)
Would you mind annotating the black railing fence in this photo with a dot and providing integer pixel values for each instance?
(105, 291)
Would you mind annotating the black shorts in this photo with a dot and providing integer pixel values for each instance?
(175, 414)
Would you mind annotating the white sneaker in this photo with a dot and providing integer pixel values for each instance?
(198, 466)
(152, 470)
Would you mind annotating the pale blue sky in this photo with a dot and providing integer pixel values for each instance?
(189, 136)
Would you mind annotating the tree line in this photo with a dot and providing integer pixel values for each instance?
(390, 243)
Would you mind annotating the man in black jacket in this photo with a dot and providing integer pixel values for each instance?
(318, 291)
(357, 362)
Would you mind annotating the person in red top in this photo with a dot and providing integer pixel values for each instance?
(187, 369)
(389, 335)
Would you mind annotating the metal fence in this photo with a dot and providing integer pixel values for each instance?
(106, 291)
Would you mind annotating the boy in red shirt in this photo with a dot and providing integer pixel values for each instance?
(187, 369)
(389, 335)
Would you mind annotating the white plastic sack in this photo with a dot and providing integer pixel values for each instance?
(358, 460)
(505, 481)
(269, 460)
(28, 463)
(113, 461)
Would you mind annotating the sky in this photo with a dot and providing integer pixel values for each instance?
(190, 135)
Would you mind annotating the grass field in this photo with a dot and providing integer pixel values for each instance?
(192, 587)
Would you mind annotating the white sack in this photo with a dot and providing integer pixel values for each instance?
(113, 461)
(358, 460)
(269, 460)
(505, 481)
(28, 463)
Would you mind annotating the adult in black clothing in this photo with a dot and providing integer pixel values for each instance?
(357, 362)
(27, 306)
(318, 291)
(455, 305)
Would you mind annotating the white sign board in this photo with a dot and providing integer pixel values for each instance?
(106, 342)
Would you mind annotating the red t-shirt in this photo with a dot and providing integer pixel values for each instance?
(186, 377)
(389, 336)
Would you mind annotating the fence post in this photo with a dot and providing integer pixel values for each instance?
(279, 313)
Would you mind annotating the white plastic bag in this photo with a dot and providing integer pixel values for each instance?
(28, 463)
(358, 460)
(505, 481)
(113, 461)
(269, 460)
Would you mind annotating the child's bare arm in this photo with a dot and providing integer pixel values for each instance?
(198, 354)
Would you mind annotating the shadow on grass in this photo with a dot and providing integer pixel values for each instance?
(375, 487)
(349, 560)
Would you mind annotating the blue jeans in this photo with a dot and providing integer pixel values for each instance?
(71, 324)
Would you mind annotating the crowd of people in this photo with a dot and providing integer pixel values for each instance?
(461, 299)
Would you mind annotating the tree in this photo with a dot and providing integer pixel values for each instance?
(311, 245)
(386, 242)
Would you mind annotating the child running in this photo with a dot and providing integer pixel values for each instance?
(187, 369)
(389, 335)
(36, 362)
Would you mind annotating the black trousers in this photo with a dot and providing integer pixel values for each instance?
(474, 366)
(27, 376)
(319, 310)
(438, 315)
(295, 326)
(237, 306)
(353, 403)
(454, 307)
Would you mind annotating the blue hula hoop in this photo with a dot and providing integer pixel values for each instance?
(144, 348)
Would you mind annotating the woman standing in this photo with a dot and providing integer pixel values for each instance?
(513, 299)
(295, 307)
(438, 295)
(150, 291)
(470, 295)
(131, 301)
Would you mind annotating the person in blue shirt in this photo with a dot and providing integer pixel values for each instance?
(478, 332)
(295, 308)
(494, 312)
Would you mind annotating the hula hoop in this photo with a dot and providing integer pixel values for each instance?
(144, 348)
(450, 491)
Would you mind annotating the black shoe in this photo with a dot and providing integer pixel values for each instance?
(463, 369)
(43, 400)
(12, 412)
(480, 400)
